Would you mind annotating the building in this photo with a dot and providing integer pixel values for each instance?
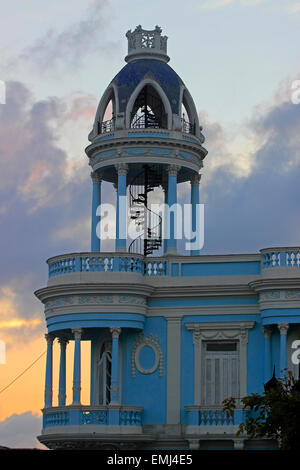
(171, 335)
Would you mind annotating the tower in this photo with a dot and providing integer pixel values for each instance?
(152, 140)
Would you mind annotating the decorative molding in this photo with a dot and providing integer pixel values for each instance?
(63, 341)
(115, 331)
(219, 331)
(77, 332)
(272, 295)
(173, 170)
(292, 294)
(49, 338)
(122, 168)
(283, 328)
(91, 299)
(195, 179)
(135, 361)
(96, 177)
(267, 331)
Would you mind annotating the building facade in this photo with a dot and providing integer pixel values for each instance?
(171, 335)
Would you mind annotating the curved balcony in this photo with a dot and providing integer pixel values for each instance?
(106, 262)
(281, 257)
(93, 427)
(87, 416)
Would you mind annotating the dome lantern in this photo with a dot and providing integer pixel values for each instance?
(145, 44)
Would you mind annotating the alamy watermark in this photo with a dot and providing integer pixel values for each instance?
(296, 354)
(177, 222)
(2, 92)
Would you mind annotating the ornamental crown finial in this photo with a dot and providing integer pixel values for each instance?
(143, 43)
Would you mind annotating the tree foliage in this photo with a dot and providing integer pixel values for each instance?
(274, 414)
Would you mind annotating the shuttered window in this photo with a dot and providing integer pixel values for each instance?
(220, 378)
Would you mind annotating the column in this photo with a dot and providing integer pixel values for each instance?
(77, 366)
(115, 389)
(195, 200)
(267, 353)
(96, 201)
(172, 199)
(173, 370)
(121, 222)
(164, 241)
(49, 371)
(62, 372)
(283, 328)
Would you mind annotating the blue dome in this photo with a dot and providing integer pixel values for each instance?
(134, 72)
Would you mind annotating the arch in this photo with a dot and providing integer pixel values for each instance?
(160, 92)
(187, 101)
(110, 93)
(104, 337)
(104, 361)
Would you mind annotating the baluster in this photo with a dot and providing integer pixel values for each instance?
(298, 258)
(292, 258)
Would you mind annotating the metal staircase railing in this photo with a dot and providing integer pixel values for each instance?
(148, 221)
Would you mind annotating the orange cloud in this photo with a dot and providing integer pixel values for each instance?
(17, 323)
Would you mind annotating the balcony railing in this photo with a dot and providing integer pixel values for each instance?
(187, 127)
(281, 257)
(108, 262)
(106, 126)
(112, 262)
(92, 415)
(206, 416)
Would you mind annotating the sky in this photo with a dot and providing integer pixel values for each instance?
(239, 60)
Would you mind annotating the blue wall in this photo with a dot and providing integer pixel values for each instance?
(144, 390)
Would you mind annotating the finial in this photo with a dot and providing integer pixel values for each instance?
(146, 44)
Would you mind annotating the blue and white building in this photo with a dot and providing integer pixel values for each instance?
(171, 335)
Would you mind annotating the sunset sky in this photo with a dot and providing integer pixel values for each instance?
(238, 58)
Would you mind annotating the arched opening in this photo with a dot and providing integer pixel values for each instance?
(107, 118)
(187, 120)
(148, 110)
(104, 373)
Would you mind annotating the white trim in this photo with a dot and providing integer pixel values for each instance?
(111, 92)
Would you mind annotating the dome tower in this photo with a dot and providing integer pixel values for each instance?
(146, 135)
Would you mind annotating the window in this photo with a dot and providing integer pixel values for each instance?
(220, 378)
(104, 373)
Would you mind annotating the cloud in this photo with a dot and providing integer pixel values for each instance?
(19, 431)
(69, 49)
(251, 192)
(213, 4)
(44, 190)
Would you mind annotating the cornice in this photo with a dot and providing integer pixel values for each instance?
(203, 291)
(116, 142)
(262, 284)
(49, 292)
(180, 312)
